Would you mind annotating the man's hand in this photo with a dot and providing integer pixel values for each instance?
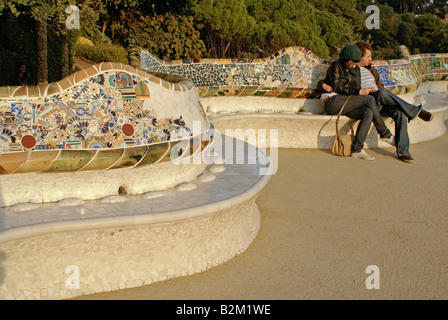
(365, 91)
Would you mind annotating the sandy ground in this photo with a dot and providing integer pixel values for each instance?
(324, 220)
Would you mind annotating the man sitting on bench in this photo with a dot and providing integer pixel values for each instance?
(388, 103)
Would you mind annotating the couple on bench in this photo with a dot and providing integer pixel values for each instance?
(353, 75)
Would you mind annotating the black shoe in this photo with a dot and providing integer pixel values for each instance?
(425, 115)
(406, 158)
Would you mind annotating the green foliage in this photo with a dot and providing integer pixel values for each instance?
(52, 12)
(439, 8)
(225, 24)
(168, 36)
(407, 6)
(335, 32)
(179, 29)
(406, 34)
(102, 53)
(431, 33)
(89, 18)
(312, 24)
(229, 18)
(280, 24)
(386, 35)
(423, 33)
(346, 10)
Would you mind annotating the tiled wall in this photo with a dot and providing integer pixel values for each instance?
(290, 73)
(125, 110)
(100, 112)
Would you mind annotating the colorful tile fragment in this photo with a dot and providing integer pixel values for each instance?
(109, 109)
(293, 68)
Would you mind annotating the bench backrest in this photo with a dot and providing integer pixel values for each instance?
(108, 105)
(292, 72)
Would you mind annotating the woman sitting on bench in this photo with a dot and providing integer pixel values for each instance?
(344, 78)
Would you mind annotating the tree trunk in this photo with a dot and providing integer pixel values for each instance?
(64, 57)
(238, 48)
(225, 50)
(221, 48)
(211, 40)
(42, 71)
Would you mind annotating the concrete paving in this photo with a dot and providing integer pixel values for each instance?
(324, 221)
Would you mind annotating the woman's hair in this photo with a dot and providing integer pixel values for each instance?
(363, 46)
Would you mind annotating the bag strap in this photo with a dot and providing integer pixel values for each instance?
(340, 112)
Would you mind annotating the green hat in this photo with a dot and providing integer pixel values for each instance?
(350, 52)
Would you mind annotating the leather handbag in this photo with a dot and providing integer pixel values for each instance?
(342, 144)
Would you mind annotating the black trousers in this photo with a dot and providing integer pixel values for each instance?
(363, 108)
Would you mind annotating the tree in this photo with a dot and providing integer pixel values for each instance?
(335, 32)
(431, 34)
(168, 36)
(46, 14)
(384, 40)
(225, 24)
(345, 10)
(112, 11)
(439, 8)
(282, 23)
(406, 34)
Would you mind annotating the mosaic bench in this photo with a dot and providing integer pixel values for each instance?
(277, 93)
(97, 123)
(118, 173)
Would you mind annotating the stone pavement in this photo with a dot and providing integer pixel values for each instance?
(324, 220)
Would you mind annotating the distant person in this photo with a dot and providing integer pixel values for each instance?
(20, 76)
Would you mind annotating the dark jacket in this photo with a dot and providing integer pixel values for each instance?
(343, 80)
(346, 81)
(16, 80)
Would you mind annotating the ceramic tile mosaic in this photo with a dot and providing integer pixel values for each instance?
(94, 184)
(292, 72)
(293, 67)
(120, 257)
(104, 107)
(128, 241)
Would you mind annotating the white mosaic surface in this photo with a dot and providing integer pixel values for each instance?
(305, 130)
(124, 257)
(134, 241)
(233, 104)
(50, 187)
(251, 104)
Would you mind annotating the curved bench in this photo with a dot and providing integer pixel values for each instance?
(89, 128)
(157, 202)
(277, 93)
(304, 129)
(131, 241)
